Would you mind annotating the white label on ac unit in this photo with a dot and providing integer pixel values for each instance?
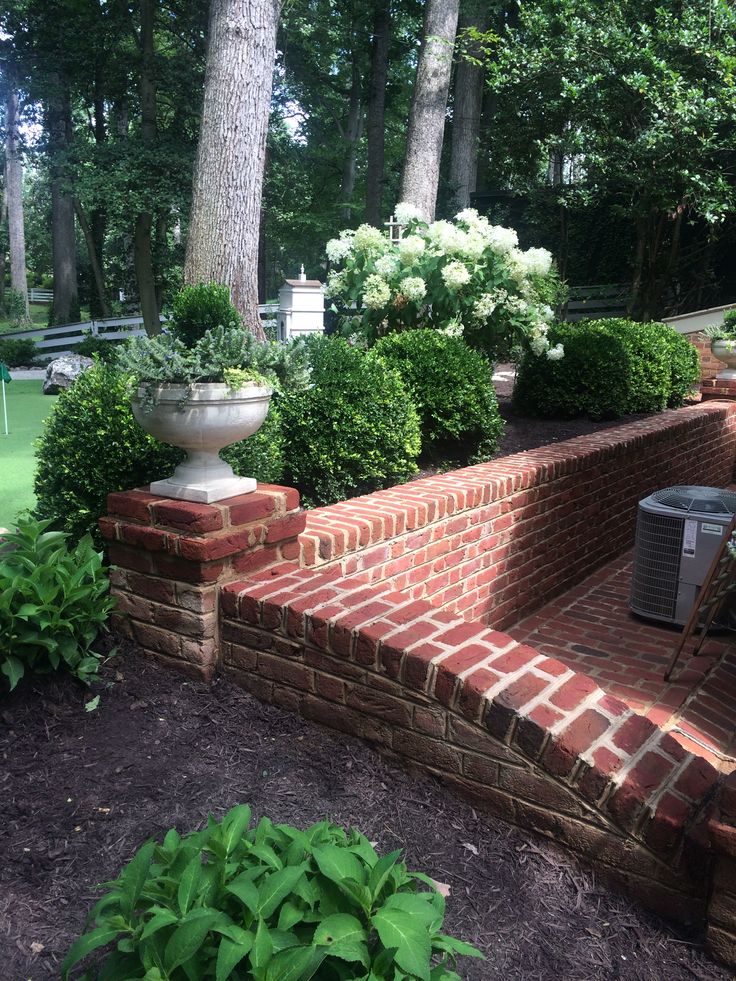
(689, 537)
(711, 529)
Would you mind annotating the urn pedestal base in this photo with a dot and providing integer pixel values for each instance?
(204, 493)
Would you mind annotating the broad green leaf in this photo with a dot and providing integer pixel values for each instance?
(229, 955)
(295, 964)
(188, 884)
(455, 946)
(188, 937)
(416, 905)
(262, 949)
(85, 945)
(398, 929)
(289, 915)
(380, 872)
(276, 887)
(13, 669)
(339, 927)
(338, 864)
(161, 919)
(133, 878)
(350, 952)
(234, 825)
(247, 893)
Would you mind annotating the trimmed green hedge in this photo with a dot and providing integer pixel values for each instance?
(17, 353)
(611, 368)
(354, 430)
(452, 388)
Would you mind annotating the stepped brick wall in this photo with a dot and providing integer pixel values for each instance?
(313, 613)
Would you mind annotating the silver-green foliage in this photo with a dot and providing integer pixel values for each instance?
(53, 603)
(268, 903)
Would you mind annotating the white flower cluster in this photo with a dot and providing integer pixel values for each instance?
(533, 262)
(370, 239)
(455, 275)
(555, 353)
(335, 282)
(387, 265)
(410, 249)
(452, 328)
(376, 292)
(485, 305)
(406, 213)
(338, 249)
(414, 288)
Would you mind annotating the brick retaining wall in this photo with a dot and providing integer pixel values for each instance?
(372, 617)
(495, 541)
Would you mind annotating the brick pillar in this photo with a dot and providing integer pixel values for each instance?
(721, 939)
(171, 557)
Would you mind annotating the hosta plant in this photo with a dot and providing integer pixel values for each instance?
(53, 602)
(268, 903)
(466, 277)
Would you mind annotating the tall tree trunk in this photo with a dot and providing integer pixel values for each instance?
(377, 115)
(63, 239)
(228, 179)
(466, 110)
(14, 184)
(421, 175)
(102, 307)
(351, 134)
(142, 245)
(99, 303)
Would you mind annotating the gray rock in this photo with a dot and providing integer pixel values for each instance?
(62, 372)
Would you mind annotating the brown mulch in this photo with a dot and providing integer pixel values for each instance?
(79, 792)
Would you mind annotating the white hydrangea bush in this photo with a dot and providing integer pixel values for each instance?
(465, 277)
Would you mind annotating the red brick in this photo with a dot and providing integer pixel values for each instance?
(696, 780)
(596, 779)
(417, 664)
(379, 705)
(288, 527)
(317, 626)
(634, 732)
(157, 640)
(246, 508)
(333, 689)
(160, 590)
(283, 670)
(517, 657)
(255, 559)
(532, 730)
(214, 547)
(666, 826)
(131, 504)
(150, 539)
(471, 699)
(562, 753)
(289, 495)
(108, 528)
(173, 567)
(506, 704)
(573, 692)
(129, 558)
(187, 516)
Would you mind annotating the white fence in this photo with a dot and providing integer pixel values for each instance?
(63, 339)
(36, 295)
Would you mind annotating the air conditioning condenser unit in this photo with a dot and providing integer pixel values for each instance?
(678, 532)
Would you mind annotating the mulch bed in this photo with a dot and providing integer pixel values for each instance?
(79, 792)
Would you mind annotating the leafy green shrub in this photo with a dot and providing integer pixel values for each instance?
(591, 380)
(272, 903)
(94, 346)
(197, 309)
(648, 358)
(452, 388)
(262, 454)
(611, 367)
(354, 430)
(15, 307)
(17, 353)
(91, 445)
(684, 364)
(53, 603)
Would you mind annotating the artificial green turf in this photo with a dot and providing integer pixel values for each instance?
(27, 408)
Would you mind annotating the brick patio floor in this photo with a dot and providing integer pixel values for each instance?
(591, 629)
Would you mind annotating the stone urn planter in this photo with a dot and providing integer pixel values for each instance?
(725, 350)
(202, 419)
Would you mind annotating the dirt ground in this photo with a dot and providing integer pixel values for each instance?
(80, 792)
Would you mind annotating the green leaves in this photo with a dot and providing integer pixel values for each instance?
(53, 603)
(269, 903)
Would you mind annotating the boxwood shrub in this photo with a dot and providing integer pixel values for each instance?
(611, 367)
(452, 388)
(91, 445)
(354, 430)
(17, 353)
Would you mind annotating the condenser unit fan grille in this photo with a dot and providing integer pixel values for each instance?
(657, 564)
(703, 500)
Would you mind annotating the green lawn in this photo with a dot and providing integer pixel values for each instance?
(27, 408)
(39, 316)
